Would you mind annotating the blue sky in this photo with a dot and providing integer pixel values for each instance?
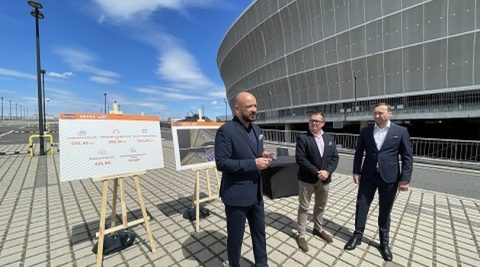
(152, 56)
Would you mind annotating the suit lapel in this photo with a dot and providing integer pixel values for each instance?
(326, 143)
(372, 137)
(245, 137)
(257, 134)
(388, 135)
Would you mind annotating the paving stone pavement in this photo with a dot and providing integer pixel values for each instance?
(47, 223)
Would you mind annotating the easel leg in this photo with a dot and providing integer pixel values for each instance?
(144, 213)
(208, 185)
(114, 202)
(197, 202)
(218, 179)
(101, 230)
(123, 203)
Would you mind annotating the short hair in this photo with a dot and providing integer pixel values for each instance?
(317, 113)
(389, 108)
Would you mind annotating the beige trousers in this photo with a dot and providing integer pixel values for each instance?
(305, 192)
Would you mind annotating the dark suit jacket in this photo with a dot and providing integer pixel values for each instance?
(397, 142)
(235, 157)
(309, 159)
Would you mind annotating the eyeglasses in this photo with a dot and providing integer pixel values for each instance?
(315, 122)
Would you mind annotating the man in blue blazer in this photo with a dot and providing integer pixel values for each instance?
(317, 158)
(240, 156)
(382, 143)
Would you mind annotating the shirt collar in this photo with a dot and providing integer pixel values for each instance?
(317, 135)
(386, 127)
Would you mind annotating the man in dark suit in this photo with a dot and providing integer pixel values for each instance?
(240, 156)
(317, 157)
(382, 143)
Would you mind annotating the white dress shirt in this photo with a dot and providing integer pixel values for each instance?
(379, 134)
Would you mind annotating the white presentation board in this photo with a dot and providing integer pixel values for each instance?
(96, 145)
(194, 144)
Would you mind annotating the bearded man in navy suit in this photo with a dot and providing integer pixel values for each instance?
(240, 156)
(382, 143)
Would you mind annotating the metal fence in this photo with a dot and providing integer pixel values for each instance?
(444, 149)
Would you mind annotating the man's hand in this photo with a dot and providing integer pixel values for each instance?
(356, 178)
(323, 175)
(262, 163)
(403, 186)
(269, 155)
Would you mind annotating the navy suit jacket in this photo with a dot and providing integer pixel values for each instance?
(397, 143)
(309, 159)
(235, 157)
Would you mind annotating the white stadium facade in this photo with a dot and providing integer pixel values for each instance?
(343, 56)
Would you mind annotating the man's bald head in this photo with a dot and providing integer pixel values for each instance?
(243, 96)
(246, 107)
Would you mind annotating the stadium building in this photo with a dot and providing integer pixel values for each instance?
(343, 56)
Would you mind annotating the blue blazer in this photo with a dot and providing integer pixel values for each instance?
(235, 157)
(309, 159)
(397, 143)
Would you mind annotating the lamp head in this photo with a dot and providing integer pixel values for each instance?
(35, 4)
(37, 14)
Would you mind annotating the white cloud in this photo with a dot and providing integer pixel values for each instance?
(177, 96)
(164, 94)
(155, 106)
(161, 88)
(141, 9)
(65, 100)
(4, 91)
(102, 80)
(16, 74)
(84, 61)
(217, 93)
(181, 76)
(180, 68)
(214, 102)
(63, 75)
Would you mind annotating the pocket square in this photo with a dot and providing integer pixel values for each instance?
(260, 137)
(330, 143)
(395, 137)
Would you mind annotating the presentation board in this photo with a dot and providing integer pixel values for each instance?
(96, 145)
(194, 144)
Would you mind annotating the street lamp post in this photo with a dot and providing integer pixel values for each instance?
(43, 101)
(225, 109)
(10, 111)
(2, 108)
(37, 14)
(105, 103)
(16, 111)
(355, 90)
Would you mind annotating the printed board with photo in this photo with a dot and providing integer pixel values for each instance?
(194, 144)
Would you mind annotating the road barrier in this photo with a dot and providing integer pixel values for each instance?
(434, 148)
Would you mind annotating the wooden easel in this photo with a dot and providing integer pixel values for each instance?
(119, 179)
(196, 194)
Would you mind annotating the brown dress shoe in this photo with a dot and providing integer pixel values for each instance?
(323, 235)
(302, 244)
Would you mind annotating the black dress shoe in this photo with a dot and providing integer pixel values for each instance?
(386, 253)
(353, 242)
